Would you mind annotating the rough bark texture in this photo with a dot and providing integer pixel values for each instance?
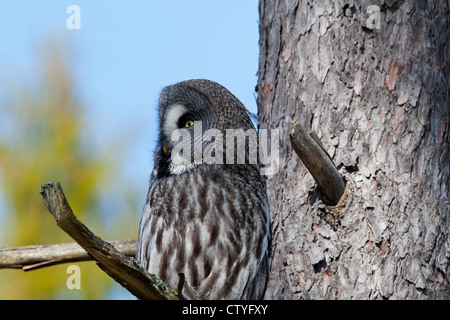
(376, 92)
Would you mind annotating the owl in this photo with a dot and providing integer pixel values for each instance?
(207, 212)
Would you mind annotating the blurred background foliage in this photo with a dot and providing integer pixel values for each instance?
(43, 139)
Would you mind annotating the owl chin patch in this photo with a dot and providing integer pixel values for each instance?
(181, 168)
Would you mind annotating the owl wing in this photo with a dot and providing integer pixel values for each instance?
(213, 228)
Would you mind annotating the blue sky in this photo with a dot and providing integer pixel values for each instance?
(124, 54)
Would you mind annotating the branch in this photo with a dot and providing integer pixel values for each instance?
(34, 257)
(310, 150)
(121, 268)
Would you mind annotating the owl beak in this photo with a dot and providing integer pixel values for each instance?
(164, 149)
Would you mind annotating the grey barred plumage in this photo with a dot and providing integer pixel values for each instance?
(209, 221)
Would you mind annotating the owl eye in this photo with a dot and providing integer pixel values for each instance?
(186, 121)
(189, 123)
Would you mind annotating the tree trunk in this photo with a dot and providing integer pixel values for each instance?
(371, 79)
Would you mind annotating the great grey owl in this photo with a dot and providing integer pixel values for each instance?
(207, 212)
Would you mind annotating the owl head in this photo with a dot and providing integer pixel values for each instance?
(196, 119)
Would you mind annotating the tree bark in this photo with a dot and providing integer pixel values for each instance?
(371, 79)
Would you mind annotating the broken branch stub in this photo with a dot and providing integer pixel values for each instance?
(318, 162)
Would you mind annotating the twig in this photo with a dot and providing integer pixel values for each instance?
(34, 257)
(121, 268)
(318, 162)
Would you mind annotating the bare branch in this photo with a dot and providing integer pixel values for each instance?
(121, 268)
(34, 257)
(318, 162)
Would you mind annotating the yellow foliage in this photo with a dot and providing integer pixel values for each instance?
(45, 145)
